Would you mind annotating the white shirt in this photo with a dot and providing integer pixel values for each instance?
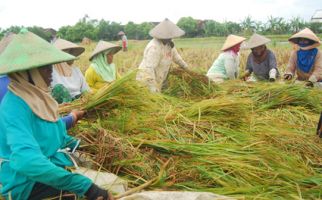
(156, 62)
(75, 84)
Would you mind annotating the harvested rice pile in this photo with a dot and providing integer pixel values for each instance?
(253, 141)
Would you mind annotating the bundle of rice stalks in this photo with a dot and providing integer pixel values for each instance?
(229, 168)
(268, 96)
(236, 143)
(222, 110)
(124, 92)
(188, 84)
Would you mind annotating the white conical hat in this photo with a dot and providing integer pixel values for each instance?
(121, 33)
(104, 46)
(257, 40)
(305, 33)
(166, 30)
(231, 41)
(62, 44)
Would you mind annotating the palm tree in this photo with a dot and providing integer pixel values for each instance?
(296, 24)
(248, 24)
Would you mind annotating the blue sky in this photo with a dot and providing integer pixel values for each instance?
(67, 12)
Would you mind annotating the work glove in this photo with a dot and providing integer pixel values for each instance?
(272, 75)
(96, 193)
(288, 77)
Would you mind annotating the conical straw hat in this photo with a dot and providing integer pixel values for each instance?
(257, 40)
(27, 51)
(305, 33)
(231, 41)
(104, 46)
(74, 49)
(166, 30)
(5, 41)
(121, 33)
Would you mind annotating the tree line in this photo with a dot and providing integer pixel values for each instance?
(107, 30)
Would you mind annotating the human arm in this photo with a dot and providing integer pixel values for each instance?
(317, 72)
(291, 67)
(178, 59)
(27, 158)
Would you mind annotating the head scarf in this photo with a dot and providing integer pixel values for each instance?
(234, 48)
(306, 58)
(101, 67)
(36, 95)
(64, 69)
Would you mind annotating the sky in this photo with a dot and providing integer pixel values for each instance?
(58, 13)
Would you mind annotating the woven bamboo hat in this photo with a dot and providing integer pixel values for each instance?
(27, 51)
(73, 48)
(166, 30)
(5, 41)
(105, 46)
(121, 33)
(257, 40)
(305, 33)
(231, 41)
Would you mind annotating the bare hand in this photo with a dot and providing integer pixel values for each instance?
(110, 196)
(288, 77)
(77, 115)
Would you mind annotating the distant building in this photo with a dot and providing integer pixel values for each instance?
(317, 17)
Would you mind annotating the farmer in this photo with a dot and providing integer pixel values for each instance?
(226, 66)
(68, 81)
(102, 69)
(261, 62)
(33, 140)
(69, 120)
(123, 39)
(307, 61)
(158, 56)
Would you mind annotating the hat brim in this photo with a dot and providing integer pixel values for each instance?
(112, 50)
(76, 51)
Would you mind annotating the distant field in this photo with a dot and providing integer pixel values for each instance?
(199, 53)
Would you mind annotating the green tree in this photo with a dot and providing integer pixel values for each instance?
(213, 28)
(296, 24)
(189, 25)
(248, 25)
(277, 25)
(131, 30)
(316, 27)
(40, 32)
(232, 27)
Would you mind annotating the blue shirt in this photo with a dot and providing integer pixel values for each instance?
(4, 82)
(29, 145)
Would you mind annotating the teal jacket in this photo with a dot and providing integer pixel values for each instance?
(29, 151)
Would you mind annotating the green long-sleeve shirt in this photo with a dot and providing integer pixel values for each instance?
(28, 146)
